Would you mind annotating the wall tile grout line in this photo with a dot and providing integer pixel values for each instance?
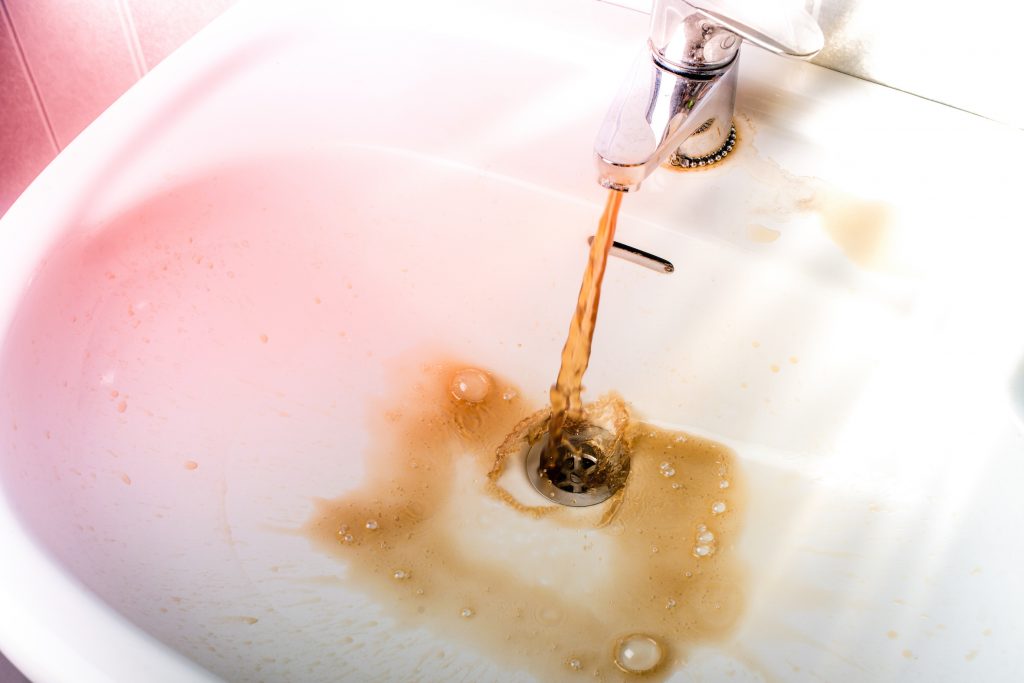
(36, 96)
(131, 36)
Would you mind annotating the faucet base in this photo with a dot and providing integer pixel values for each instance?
(680, 159)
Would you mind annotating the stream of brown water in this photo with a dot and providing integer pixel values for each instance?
(566, 403)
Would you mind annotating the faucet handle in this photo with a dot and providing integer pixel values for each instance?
(781, 27)
(703, 35)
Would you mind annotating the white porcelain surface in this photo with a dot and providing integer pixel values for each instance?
(283, 175)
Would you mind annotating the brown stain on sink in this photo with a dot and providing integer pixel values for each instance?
(431, 539)
(860, 227)
(759, 233)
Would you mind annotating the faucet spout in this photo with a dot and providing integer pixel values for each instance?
(681, 94)
(659, 111)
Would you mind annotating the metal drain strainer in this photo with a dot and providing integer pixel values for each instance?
(588, 473)
(680, 160)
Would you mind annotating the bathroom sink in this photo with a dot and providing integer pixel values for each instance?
(212, 299)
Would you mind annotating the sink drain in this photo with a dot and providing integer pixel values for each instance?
(588, 470)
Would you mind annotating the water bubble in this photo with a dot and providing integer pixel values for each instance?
(705, 537)
(680, 439)
(638, 653)
(702, 527)
(702, 550)
(654, 549)
(371, 524)
(667, 470)
(509, 395)
(466, 613)
(575, 664)
(470, 385)
(717, 507)
(670, 603)
(724, 484)
(346, 538)
(677, 486)
(401, 574)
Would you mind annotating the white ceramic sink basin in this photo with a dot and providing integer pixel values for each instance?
(212, 295)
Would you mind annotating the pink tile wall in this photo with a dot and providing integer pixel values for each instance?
(163, 25)
(78, 54)
(25, 144)
(62, 62)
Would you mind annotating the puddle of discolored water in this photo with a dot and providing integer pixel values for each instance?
(439, 537)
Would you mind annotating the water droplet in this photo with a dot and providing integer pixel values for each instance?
(401, 574)
(717, 507)
(667, 470)
(470, 385)
(705, 537)
(575, 664)
(466, 613)
(670, 603)
(509, 395)
(346, 538)
(724, 484)
(371, 524)
(677, 486)
(702, 550)
(638, 653)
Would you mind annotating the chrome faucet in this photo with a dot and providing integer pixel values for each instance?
(680, 96)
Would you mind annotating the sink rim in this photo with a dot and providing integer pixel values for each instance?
(147, 99)
(53, 628)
